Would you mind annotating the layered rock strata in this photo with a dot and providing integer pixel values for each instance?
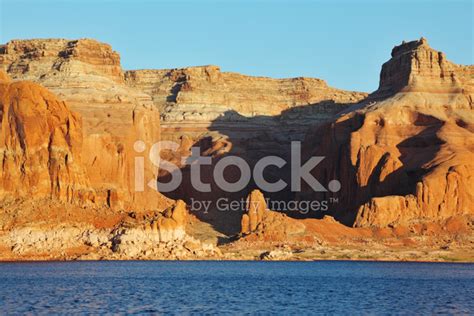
(197, 100)
(250, 117)
(88, 76)
(109, 235)
(168, 226)
(406, 157)
(416, 67)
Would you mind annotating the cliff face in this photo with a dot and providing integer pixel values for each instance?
(50, 60)
(79, 70)
(407, 157)
(40, 144)
(415, 66)
(51, 201)
(401, 154)
(232, 113)
(206, 88)
(199, 100)
(195, 100)
(88, 76)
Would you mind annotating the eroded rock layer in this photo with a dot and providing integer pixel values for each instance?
(227, 113)
(196, 100)
(87, 74)
(40, 144)
(415, 66)
(205, 92)
(408, 157)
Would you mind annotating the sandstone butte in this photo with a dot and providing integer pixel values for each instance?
(71, 115)
(405, 154)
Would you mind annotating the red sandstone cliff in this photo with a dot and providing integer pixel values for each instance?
(88, 76)
(405, 154)
(40, 143)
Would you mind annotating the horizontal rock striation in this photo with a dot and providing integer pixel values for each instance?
(196, 100)
(168, 226)
(415, 66)
(407, 157)
(199, 103)
(207, 88)
(75, 70)
(232, 114)
(87, 74)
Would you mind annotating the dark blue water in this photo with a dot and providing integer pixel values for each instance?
(237, 287)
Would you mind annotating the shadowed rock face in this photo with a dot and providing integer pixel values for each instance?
(408, 157)
(204, 102)
(229, 114)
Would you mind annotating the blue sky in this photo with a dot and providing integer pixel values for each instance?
(342, 42)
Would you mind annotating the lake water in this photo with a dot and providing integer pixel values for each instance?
(237, 287)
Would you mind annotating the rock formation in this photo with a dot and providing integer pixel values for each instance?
(404, 154)
(260, 221)
(205, 102)
(416, 67)
(69, 68)
(69, 152)
(256, 207)
(40, 144)
(254, 116)
(203, 93)
(173, 224)
(164, 227)
(88, 76)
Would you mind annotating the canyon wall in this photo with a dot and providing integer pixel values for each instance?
(40, 144)
(224, 113)
(229, 114)
(404, 154)
(88, 76)
(199, 100)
